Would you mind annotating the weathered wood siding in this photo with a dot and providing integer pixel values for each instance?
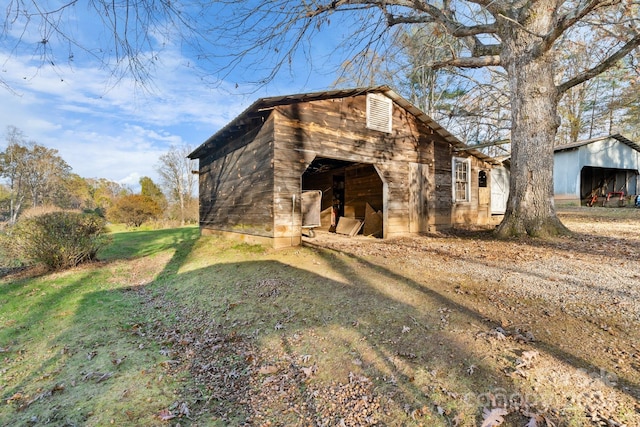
(478, 210)
(420, 202)
(442, 191)
(337, 129)
(236, 184)
(251, 184)
(362, 186)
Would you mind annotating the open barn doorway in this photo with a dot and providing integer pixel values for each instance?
(607, 186)
(352, 196)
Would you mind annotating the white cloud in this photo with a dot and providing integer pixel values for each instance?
(111, 129)
(116, 133)
(131, 181)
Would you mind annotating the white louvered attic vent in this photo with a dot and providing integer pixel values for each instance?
(379, 112)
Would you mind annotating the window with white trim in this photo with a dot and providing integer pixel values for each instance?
(461, 169)
(379, 112)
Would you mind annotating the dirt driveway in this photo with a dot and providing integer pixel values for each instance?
(575, 300)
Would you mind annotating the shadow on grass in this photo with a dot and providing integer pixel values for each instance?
(51, 295)
(355, 313)
(134, 244)
(68, 333)
(328, 322)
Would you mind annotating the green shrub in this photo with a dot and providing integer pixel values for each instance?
(96, 211)
(8, 259)
(60, 239)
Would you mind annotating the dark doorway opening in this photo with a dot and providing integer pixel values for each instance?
(351, 190)
(596, 182)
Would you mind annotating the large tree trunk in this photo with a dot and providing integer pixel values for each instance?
(530, 207)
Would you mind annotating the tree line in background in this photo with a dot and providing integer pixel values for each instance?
(476, 106)
(34, 177)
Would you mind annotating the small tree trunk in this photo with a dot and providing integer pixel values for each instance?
(530, 207)
(181, 208)
(15, 204)
(14, 209)
(34, 198)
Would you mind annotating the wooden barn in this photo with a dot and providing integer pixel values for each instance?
(352, 161)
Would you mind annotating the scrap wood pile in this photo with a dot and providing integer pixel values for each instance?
(370, 226)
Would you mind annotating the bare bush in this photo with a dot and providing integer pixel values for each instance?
(59, 239)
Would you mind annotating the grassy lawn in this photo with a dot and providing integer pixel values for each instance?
(172, 328)
(69, 341)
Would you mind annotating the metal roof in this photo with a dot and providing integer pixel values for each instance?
(258, 108)
(616, 136)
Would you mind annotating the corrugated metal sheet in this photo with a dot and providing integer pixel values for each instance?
(615, 136)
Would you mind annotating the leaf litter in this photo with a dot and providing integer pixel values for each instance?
(239, 381)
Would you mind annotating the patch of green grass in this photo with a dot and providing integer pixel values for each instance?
(345, 318)
(73, 345)
(598, 213)
(139, 243)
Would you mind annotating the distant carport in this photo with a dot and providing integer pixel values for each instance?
(597, 168)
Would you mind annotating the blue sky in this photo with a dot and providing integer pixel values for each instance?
(119, 131)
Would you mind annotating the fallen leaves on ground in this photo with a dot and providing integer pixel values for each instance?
(493, 417)
(240, 382)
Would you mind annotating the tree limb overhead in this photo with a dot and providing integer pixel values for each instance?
(567, 20)
(603, 66)
(469, 62)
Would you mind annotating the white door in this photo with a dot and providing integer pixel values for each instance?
(499, 190)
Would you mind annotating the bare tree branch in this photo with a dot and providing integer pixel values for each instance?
(469, 62)
(480, 49)
(602, 66)
(569, 19)
(455, 29)
(430, 14)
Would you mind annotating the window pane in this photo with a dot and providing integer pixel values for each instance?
(461, 177)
